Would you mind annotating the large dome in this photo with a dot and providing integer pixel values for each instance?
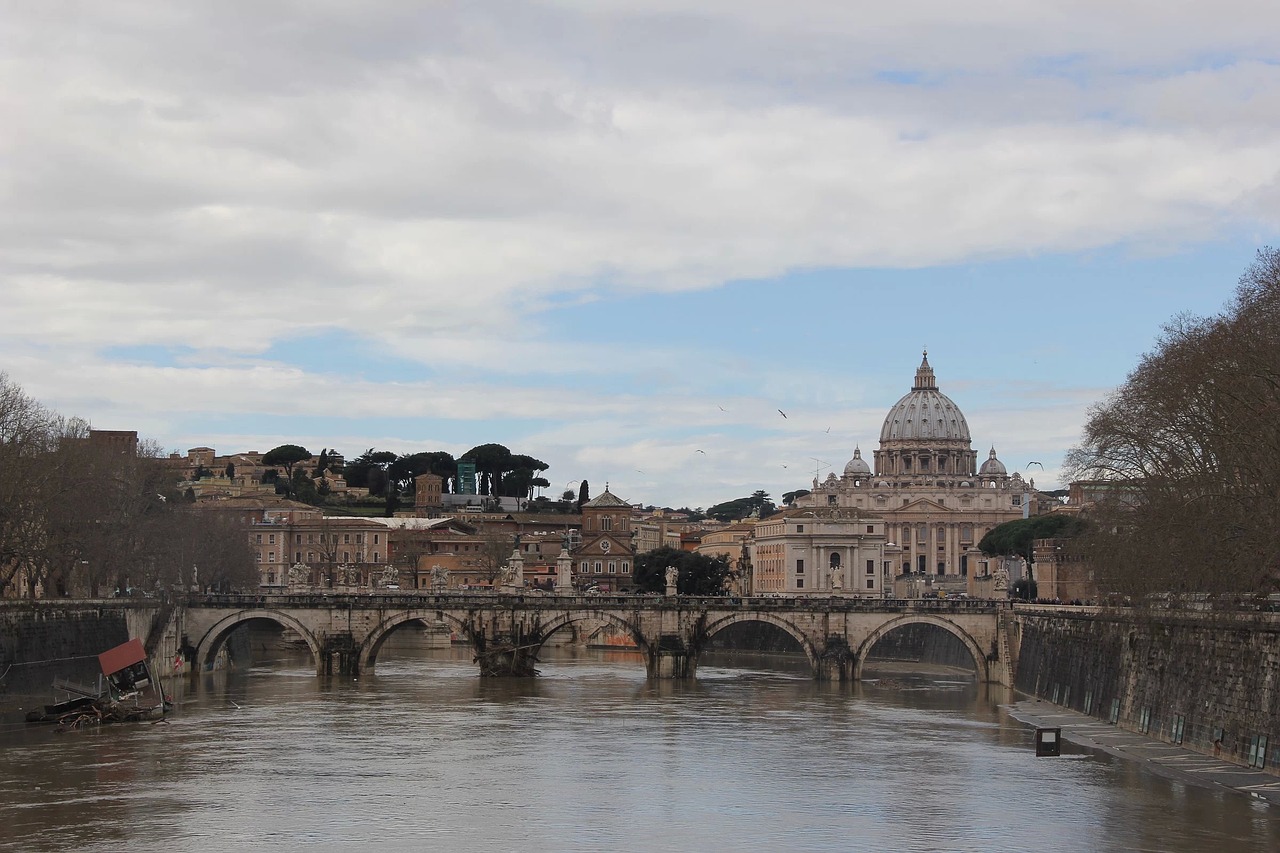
(925, 414)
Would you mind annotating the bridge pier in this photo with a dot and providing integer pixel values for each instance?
(338, 656)
(836, 662)
(670, 658)
(503, 658)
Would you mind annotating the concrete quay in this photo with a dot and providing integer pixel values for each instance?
(1163, 758)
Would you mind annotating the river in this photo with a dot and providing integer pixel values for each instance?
(590, 756)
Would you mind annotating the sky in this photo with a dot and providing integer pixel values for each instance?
(622, 237)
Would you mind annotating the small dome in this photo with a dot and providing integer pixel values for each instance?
(857, 466)
(993, 467)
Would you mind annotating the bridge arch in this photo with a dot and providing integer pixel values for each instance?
(379, 633)
(569, 617)
(979, 659)
(806, 642)
(208, 646)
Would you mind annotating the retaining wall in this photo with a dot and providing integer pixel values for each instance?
(1206, 681)
(42, 640)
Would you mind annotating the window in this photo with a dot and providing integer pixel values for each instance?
(922, 534)
(346, 556)
(799, 583)
(271, 556)
(311, 539)
(297, 556)
(1017, 500)
(799, 566)
(271, 539)
(606, 522)
(311, 556)
(359, 538)
(871, 583)
(585, 567)
(271, 577)
(375, 539)
(258, 539)
(871, 528)
(831, 500)
(599, 567)
(346, 539)
(871, 567)
(257, 557)
(799, 528)
(626, 566)
(613, 567)
(297, 540)
(375, 556)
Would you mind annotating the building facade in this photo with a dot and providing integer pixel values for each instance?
(605, 558)
(935, 501)
(819, 550)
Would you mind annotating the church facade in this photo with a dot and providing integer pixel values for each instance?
(935, 501)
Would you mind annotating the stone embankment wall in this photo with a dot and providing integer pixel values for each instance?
(47, 639)
(1210, 682)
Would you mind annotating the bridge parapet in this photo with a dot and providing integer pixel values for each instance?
(783, 604)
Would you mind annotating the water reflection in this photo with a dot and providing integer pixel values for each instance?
(754, 754)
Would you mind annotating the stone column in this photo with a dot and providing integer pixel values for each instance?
(564, 572)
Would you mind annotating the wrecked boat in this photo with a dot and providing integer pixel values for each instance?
(127, 691)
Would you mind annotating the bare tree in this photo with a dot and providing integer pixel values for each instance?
(1189, 450)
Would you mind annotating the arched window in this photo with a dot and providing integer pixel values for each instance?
(835, 560)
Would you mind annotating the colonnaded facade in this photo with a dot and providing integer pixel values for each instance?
(934, 500)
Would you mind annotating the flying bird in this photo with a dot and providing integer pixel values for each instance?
(828, 430)
(703, 452)
(1029, 464)
(784, 414)
(722, 408)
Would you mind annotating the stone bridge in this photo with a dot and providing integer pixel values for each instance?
(345, 632)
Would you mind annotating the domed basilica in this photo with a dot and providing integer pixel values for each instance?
(935, 501)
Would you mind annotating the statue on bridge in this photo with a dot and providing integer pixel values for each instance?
(1001, 578)
(673, 577)
(439, 578)
(390, 576)
(297, 576)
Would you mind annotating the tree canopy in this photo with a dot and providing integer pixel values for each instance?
(1015, 538)
(699, 574)
(757, 503)
(1189, 451)
(286, 455)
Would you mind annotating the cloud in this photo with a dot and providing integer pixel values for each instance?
(232, 180)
